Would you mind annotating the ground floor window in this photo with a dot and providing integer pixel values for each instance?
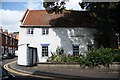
(75, 50)
(44, 50)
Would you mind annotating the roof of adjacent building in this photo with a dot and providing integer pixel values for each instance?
(67, 18)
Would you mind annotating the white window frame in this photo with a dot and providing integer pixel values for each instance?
(45, 31)
(30, 31)
(45, 51)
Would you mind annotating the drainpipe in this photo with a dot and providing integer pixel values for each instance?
(118, 43)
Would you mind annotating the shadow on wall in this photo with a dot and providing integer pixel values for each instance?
(72, 21)
(78, 24)
(65, 41)
(83, 19)
(75, 36)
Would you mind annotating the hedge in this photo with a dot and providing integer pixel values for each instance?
(93, 58)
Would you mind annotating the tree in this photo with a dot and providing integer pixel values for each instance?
(54, 6)
(107, 17)
(105, 13)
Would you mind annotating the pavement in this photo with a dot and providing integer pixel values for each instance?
(62, 73)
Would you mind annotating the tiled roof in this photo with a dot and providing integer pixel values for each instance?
(67, 18)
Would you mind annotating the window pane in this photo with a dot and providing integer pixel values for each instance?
(30, 30)
(45, 31)
(75, 50)
(44, 51)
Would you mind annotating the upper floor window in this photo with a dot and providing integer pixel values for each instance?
(45, 31)
(30, 30)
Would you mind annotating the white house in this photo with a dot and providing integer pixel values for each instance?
(42, 33)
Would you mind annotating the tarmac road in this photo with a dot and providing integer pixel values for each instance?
(19, 77)
(45, 75)
(24, 76)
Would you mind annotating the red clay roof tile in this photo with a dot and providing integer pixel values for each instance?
(67, 18)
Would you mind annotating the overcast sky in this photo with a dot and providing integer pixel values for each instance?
(12, 12)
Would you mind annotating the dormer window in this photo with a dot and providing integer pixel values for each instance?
(30, 30)
(45, 31)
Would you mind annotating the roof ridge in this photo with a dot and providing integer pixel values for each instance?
(37, 10)
(65, 10)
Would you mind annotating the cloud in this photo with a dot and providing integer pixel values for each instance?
(73, 5)
(35, 5)
(11, 19)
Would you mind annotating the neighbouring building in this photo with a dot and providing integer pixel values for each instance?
(42, 33)
(8, 42)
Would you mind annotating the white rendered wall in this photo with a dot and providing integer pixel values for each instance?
(64, 37)
(22, 48)
(22, 55)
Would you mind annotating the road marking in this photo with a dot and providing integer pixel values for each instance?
(26, 74)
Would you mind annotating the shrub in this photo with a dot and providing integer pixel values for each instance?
(59, 50)
(93, 58)
(116, 55)
(57, 56)
(54, 58)
(96, 57)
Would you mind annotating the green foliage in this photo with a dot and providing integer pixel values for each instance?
(56, 6)
(65, 58)
(116, 55)
(102, 56)
(108, 23)
(59, 50)
(93, 58)
(57, 56)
